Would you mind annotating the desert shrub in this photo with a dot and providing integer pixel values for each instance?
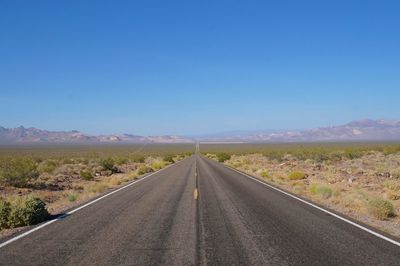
(15, 218)
(222, 157)
(380, 208)
(108, 164)
(5, 208)
(27, 211)
(86, 175)
(157, 165)
(296, 175)
(47, 166)
(35, 211)
(168, 159)
(72, 197)
(323, 191)
(144, 169)
(18, 171)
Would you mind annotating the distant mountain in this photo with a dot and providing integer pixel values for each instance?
(363, 130)
(34, 135)
(236, 134)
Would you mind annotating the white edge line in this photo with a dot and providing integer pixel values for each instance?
(81, 207)
(319, 208)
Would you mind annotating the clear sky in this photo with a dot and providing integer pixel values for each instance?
(189, 67)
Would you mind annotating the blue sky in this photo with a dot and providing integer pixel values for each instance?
(190, 67)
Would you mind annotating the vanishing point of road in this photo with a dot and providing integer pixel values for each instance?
(199, 212)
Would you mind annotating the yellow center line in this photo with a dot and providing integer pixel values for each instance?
(196, 194)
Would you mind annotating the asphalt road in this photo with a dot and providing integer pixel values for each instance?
(229, 220)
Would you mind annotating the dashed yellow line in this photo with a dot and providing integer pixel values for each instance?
(196, 193)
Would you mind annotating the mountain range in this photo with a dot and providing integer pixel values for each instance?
(362, 130)
(34, 135)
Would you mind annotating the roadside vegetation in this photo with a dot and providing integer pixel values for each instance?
(222, 157)
(22, 211)
(40, 181)
(361, 180)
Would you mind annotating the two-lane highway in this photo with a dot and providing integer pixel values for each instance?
(199, 212)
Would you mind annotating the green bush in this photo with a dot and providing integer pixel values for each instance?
(168, 159)
(296, 175)
(144, 169)
(17, 171)
(5, 208)
(35, 211)
(16, 216)
(27, 211)
(222, 157)
(108, 164)
(380, 208)
(86, 175)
